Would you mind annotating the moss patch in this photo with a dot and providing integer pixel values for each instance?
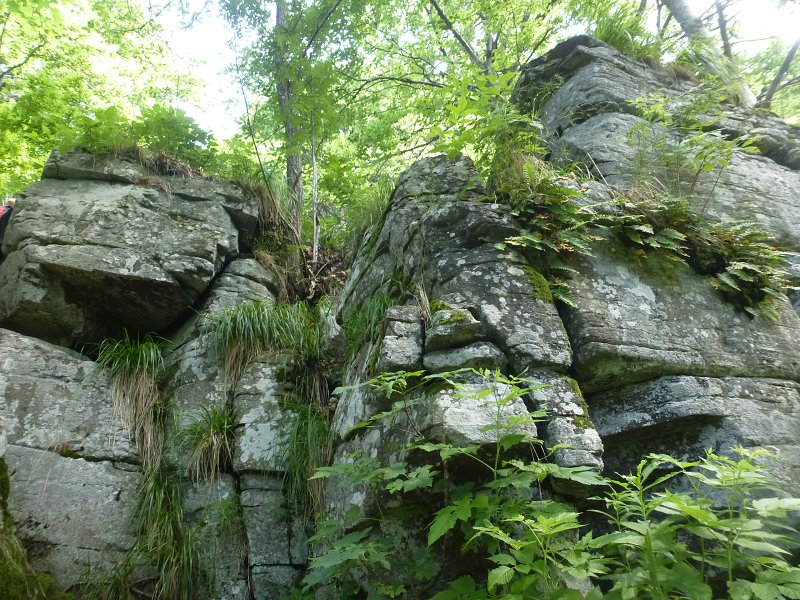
(455, 317)
(539, 285)
(438, 305)
(583, 422)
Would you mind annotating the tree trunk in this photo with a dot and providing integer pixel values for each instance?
(692, 26)
(717, 64)
(314, 191)
(294, 162)
(766, 102)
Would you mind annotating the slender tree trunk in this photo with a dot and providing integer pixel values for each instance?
(294, 162)
(314, 188)
(723, 30)
(691, 25)
(766, 102)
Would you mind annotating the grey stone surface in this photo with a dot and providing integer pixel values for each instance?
(53, 398)
(480, 355)
(242, 280)
(526, 328)
(274, 581)
(599, 79)
(465, 417)
(87, 258)
(439, 176)
(450, 329)
(637, 321)
(441, 233)
(567, 428)
(261, 421)
(401, 348)
(276, 545)
(684, 416)
(71, 513)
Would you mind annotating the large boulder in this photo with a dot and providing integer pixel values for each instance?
(73, 515)
(87, 257)
(683, 415)
(56, 399)
(638, 320)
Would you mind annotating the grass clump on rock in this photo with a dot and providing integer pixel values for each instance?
(136, 368)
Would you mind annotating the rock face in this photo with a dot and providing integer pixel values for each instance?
(666, 366)
(649, 359)
(595, 118)
(98, 246)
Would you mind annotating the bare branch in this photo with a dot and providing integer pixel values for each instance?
(473, 56)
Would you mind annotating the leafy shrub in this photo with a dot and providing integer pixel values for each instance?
(163, 130)
(725, 536)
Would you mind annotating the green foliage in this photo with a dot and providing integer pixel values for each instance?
(362, 214)
(726, 530)
(554, 227)
(136, 367)
(366, 322)
(725, 535)
(64, 59)
(160, 129)
(18, 580)
(748, 270)
(163, 538)
(305, 448)
(207, 441)
(164, 557)
(241, 333)
(679, 142)
(623, 26)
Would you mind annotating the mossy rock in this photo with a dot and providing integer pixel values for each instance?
(540, 287)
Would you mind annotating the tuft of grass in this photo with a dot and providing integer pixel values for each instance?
(240, 333)
(366, 322)
(136, 369)
(207, 440)
(163, 538)
(306, 447)
(626, 30)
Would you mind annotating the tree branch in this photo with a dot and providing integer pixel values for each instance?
(784, 68)
(318, 30)
(473, 56)
(21, 63)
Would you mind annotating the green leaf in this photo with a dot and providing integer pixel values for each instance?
(499, 576)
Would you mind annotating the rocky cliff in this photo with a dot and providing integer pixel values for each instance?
(647, 356)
